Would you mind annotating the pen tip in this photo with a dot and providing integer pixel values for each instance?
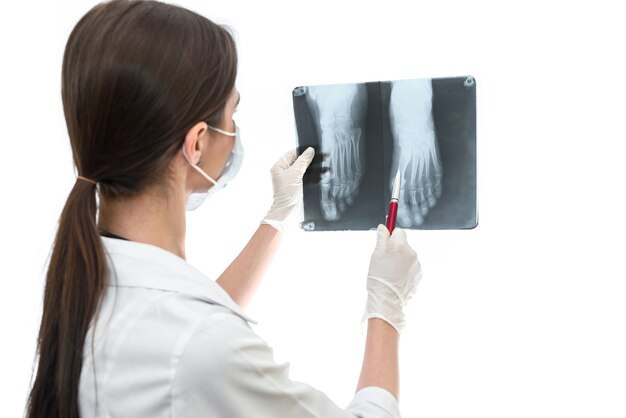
(396, 186)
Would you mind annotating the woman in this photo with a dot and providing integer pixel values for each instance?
(129, 328)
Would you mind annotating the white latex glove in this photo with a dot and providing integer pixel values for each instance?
(287, 184)
(392, 279)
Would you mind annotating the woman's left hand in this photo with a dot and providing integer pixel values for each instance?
(287, 184)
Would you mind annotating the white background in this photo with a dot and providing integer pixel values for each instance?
(523, 316)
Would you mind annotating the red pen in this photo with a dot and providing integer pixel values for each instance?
(393, 205)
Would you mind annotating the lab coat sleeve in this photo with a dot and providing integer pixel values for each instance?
(227, 370)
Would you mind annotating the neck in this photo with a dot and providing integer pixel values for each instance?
(148, 218)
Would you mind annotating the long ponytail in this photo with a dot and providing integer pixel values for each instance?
(74, 285)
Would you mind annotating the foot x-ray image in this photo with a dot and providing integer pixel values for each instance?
(364, 133)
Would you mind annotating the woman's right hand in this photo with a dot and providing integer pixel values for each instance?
(394, 273)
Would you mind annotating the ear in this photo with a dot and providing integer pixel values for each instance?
(193, 144)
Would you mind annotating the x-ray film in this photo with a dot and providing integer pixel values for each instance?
(363, 133)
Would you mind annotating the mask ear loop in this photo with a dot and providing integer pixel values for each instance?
(202, 173)
(222, 131)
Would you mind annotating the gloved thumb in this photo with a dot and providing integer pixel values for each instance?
(304, 160)
(382, 235)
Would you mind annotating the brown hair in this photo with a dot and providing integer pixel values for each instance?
(136, 76)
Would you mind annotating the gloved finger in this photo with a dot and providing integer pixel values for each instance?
(304, 160)
(398, 235)
(382, 235)
(285, 161)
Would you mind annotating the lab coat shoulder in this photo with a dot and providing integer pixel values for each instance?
(227, 370)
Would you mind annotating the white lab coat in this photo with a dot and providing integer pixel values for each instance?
(170, 342)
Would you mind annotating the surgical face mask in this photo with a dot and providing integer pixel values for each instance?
(230, 170)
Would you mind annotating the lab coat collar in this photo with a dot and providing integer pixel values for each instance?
(175, 274)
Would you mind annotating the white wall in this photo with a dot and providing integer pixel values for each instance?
(523, 316)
